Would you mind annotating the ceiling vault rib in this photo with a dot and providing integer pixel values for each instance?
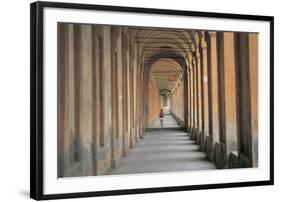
(164, 53)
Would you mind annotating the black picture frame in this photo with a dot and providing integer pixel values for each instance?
(37, 98)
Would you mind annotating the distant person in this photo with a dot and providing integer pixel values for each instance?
(161, 116)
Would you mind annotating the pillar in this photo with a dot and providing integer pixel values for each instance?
(199, 93)
(188, 99)
(71, 95)
(114, 97)
(64, 131)
(120, 95)
(214, 87)
(125, 142)
(253, 76)
(86, 101)
(107, 96)
(195, 109)
(229, 93)
(191, 94)
(205, 87)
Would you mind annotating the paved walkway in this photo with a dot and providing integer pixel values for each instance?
(164, 150)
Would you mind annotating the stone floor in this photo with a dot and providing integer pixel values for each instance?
(164, 150)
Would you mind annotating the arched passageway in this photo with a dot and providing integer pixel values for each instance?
(114, 80)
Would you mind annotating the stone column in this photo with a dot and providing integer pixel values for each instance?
(64, 106)
(139, 97)
(125, 93)
(132, 95)
(191, 100)
(71, 94)
(106, 96)
(142, 109)
(199, 97)
(115, 154)
(229, 94)
(253, 76)
(195, 109)
(135, 72)
(205, 93)
(130, 100)
(180, 99)
(120, 94)
(178, 105)
(214, 87)
(175, 103)
(95, 97)
(86, 100)
(96, 110)
(188, 99)
(199, 93)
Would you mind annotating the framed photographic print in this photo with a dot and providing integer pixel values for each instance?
(135, 100)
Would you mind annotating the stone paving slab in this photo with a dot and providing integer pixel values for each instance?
(164, 151)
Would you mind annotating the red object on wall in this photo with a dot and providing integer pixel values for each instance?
(172, 77)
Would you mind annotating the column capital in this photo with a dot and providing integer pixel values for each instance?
(189, 55)
(203, 43)
(194, 59)
(204, 46)
(190, 65)
(197, 53)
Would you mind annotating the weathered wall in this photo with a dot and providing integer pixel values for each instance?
(154, 102)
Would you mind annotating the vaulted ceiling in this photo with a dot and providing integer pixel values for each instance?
(165, 52)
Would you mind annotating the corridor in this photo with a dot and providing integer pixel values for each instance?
(164, 150)
(113, 81)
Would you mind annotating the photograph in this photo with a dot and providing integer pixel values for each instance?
(132, 100)
(144, 99)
